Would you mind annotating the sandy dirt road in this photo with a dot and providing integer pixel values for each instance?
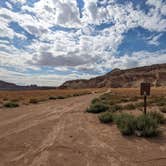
(60, 133)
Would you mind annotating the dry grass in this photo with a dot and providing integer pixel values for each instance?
(24, 96)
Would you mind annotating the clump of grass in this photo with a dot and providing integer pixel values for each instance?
(147, 126)
(53, 97)
(33, 101)
(126, 123)
(11, 104)
(163, 109)
(97, 108)
(157, 116)
(106, 117)
(61, 97)
(95, 100)
(115, 108)
(130, 107)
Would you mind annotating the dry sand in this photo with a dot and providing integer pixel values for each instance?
(60, 133)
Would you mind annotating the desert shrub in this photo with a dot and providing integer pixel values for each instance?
(61, 97)
(97, 108)
(163, 109)
(130, 107)
(161, 101)
(147, 126)
(11, 104)
(126, 123)
(157, 116)
(124, 100)
(33, 101)
(53, 97)
(139, 104)
(115, 108)
(106, 117)
(95, 100)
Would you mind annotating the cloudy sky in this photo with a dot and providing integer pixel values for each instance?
(47, 42)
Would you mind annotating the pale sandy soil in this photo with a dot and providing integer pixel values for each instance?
(60, 133)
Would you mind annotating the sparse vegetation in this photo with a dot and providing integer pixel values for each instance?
(97, 108)
(53, 97)
(11, 104)
(126, 123)
(163, 109)
(33, 101)
(157, 116)
(147, 126)
(114, 108)
(106, 117)
(129, 107)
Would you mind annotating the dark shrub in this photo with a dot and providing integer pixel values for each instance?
(126, 123)
(147, 126)
(115, 108)
(11, 105)
(97, 108)
(157, 116)
(129, 107)
(95, 100)
(33, 101)
(53, 97)
(61, 97)
(106, 117)
(163, 109)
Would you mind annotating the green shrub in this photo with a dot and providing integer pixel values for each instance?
(157, 116)
(126, 123)
(163, 109)
(147, 126)
(106, 117)
(53, 97)
(130, 107)
(97, 108)
(95, 100)
(11, 105)
(33, 101)
(115, 108)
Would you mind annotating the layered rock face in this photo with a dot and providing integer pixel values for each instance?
(155, 74)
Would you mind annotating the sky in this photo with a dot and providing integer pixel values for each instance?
(47, 42)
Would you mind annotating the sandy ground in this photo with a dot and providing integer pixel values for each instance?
(60, 133)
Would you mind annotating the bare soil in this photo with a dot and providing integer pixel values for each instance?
(61, 133)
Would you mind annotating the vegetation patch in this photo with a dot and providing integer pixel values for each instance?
(106, 117)
(114, 108)
(11, 104)
(129, 107)
(53, 97)
(146, 126)
(163, 109)
(97, 108)
(126, 123)
(157, 116)
(33, 101)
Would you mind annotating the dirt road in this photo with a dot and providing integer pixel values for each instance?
(60, 133)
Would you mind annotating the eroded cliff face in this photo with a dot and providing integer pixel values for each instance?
(155, 74)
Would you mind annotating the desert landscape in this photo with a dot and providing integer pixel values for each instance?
(61, 132)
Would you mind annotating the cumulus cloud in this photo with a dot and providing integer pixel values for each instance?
(77, 43)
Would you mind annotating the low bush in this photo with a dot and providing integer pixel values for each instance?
(126, 123)
(61, 97)
(33, 101)
(53, 97)
(130, 107)
(106, 117)
(157, 116)
(11, 105)
(97, 108)
(147, 126)
(115, 108)
(163, 109)
(95, 100)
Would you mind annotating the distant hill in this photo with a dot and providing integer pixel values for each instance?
(11, 86)
(155, 74)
